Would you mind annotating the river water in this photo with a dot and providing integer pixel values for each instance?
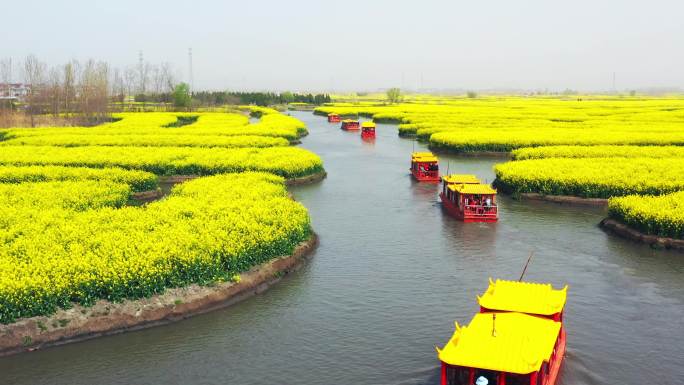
(391, 275)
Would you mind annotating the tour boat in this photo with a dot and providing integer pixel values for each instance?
(466, 198)
(368, 130)
(350, 124)
(333, 118)
(425, 167)
(517, 338)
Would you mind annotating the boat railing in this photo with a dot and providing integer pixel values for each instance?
(431, 174)
(482, 210)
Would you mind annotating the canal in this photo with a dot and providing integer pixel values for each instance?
(391, 275)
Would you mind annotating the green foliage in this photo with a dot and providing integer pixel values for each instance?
(599, 152)
(394, 95)
(258, 98)
(287, 97)
(289, 162)
(138, 180)
(657, 215)
(181, 96)
(592, 177)
(54, 252)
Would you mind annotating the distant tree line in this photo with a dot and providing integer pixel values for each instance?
(217, 98)
(88, 92)
(74, 87)
(84, 92)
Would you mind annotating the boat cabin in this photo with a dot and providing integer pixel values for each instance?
(468, 200)
(524, 297)
(507, 347)
(425, 167)
(368, 130)
(350, 124)
(333, 118)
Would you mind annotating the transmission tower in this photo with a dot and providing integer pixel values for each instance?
(141, 71)
(190, 78)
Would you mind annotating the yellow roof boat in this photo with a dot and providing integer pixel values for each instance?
(472, 188)
(423, 157)
(460, 179)
(523, 297)
(513, 343)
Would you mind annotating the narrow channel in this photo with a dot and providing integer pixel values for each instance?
(391, 275)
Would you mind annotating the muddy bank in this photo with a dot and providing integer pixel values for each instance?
(175, 179)
(485, 154)
(655, 241)
(147, 196)
(306, 179)
(566, 199)
(106, 318)
(301, 107)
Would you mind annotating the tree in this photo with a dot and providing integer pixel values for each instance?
(287, 97)
(471, 94)
(181, 96)
(70, 75)
(34, 71)
(394, 95)
(93, 91)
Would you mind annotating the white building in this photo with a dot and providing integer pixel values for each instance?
(15, 91)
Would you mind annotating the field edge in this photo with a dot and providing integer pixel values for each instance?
(106, 318)
(657, 242)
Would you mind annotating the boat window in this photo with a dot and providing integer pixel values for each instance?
(517, 379)
(457, 375)
(491, 376)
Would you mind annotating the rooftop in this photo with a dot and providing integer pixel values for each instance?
(520, 344)
(460, 178)
(472, 188)
(524, 297)
(368, 125)
(423, 157)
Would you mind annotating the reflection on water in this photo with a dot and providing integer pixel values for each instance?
(392, 273)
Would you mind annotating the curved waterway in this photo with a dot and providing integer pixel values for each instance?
(391, 275)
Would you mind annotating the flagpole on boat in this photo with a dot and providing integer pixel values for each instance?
(525, 268)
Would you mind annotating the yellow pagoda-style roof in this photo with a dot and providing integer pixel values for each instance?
(368, 124)
(350, 121)
(513, 343)
(472, 188)
(332, 114)
(460, 178)
(423, 157)
(523, 297)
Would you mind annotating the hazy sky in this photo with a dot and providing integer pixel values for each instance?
(365, 45)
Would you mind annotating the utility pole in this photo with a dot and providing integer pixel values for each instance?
(190, 78)
(141, 71)
(9, 79)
